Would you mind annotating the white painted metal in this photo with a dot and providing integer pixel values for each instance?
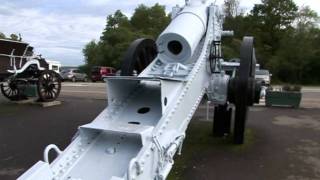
(218, 89)
(175, 11)
(137, 135)
(25, 66)
(47, 151)
(187, 28)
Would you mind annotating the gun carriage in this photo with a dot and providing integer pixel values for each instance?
(23, 75)
(144, 125)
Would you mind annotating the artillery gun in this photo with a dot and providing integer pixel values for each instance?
(144, 125)
(26, 75)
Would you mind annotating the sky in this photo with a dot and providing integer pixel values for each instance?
(59, 29)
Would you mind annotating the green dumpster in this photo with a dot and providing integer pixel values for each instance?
(283, 98)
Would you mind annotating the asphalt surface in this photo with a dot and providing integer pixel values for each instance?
(25, 130)
(284, 143)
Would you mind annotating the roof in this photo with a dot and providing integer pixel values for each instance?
(16, 47)
(10, 40)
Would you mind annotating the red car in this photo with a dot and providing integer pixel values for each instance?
(97, 73)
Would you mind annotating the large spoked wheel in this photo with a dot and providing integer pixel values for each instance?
(10, 90)
(49, 86)
(244, 88)
(138, 56)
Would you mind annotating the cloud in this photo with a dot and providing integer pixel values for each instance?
(57, 36)
(59, 29)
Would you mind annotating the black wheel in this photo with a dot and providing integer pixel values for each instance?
(73, 79)
(10, 90)
(49, 86)
(244, 88)
(222, 120)
(138, 56)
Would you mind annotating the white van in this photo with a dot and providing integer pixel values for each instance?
(54, 65)
(263, 76)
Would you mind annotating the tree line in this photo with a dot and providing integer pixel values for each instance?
(11, 37)
(287, 37)
(120, 31)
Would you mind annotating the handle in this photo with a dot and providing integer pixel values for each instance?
(47, 151)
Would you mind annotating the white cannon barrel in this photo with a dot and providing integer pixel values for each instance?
(179, 40)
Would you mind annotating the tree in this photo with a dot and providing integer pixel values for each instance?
(89, 53)
(117, 34)
(274, 18)
(14, 37)
(278, 14)
(115, 21)
(286, 39)
(150, 20)
(2, 36)
(120, 31)
(231, 8)
(306, 18)
(296, 59)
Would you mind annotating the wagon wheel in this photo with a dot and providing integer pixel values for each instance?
(138, 56)
(49, 86)
(11, 91)
(244, 88)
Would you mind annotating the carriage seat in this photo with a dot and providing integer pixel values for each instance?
(13, 55)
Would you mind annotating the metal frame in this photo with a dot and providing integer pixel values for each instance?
(144, 125)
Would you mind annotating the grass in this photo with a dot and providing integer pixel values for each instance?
(199, 140)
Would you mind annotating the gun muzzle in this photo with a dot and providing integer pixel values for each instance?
(179, 40)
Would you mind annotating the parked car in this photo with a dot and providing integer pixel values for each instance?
(73, 75)
(263, 76)
(97, 73)
(118, 73)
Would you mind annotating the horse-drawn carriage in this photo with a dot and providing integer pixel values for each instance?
(24, 75)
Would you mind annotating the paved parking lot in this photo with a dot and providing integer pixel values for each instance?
(281, 144)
